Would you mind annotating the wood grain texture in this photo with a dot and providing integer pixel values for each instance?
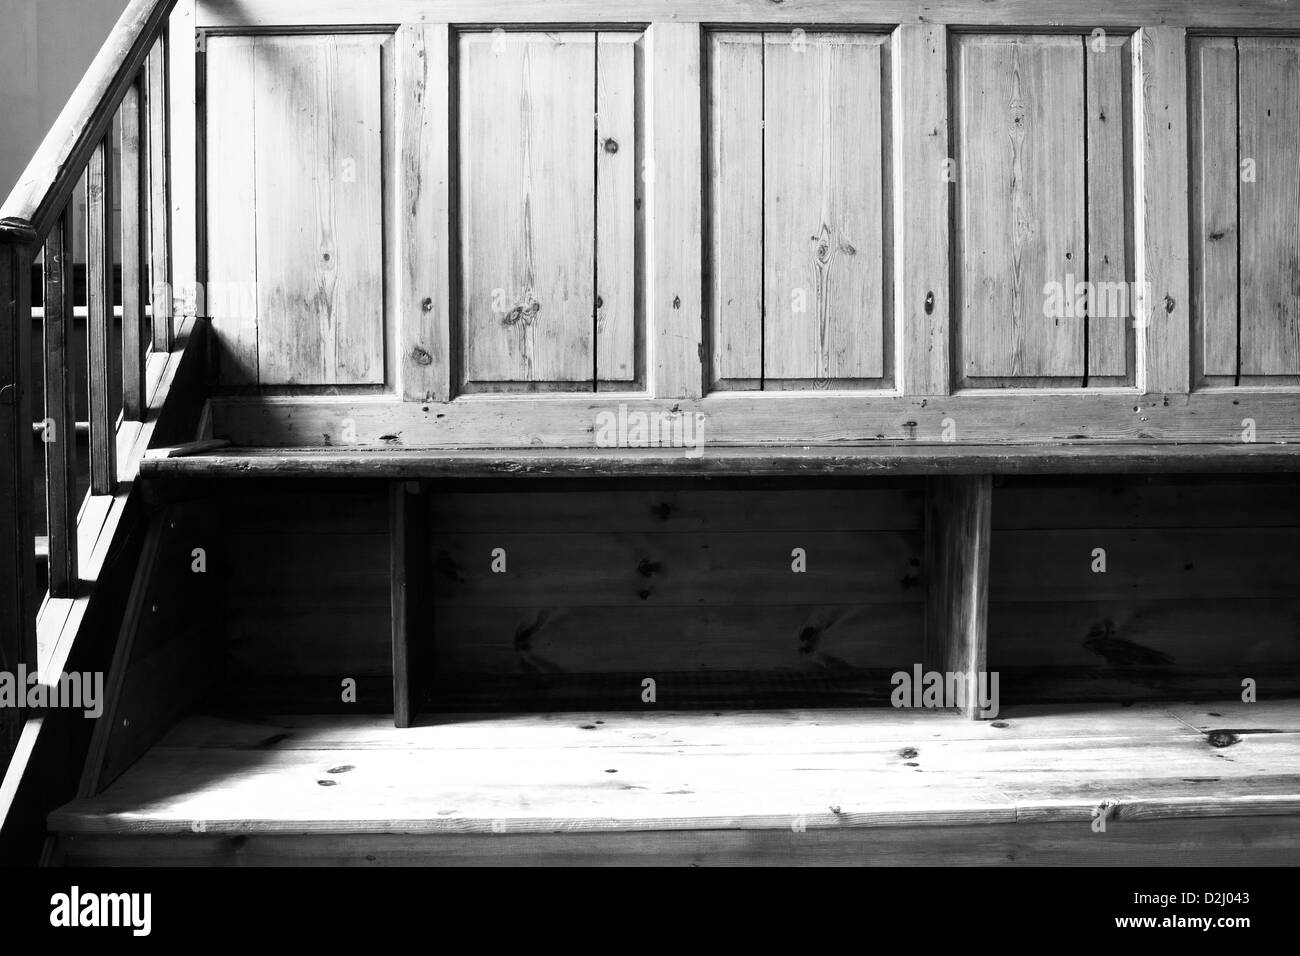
(957, 542)
(1269, 93)
(797, 772)
(619, 200)
(674, 239)
(409, 575)
(1021, 211)
(735, 184)
(61, 498)
(921, 223)
(319, 213)
(1249, 14)
(102, 363)
(527, 169)
(133, 255)
(231, 215)
(1215, 248)
(1160, 197)
(823, 245)
(425, 235)
(1109, 104)
(157, 95)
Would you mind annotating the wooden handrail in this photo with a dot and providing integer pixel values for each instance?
(50, 178)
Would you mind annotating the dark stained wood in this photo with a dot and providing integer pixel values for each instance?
(957, 541)
(17, 565)
(839, 460)
(48, 183)
(135, 249)
(99, 320)
(61, 499)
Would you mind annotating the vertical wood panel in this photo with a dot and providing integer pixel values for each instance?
(923, 174)
(736, 208)
(1161, 197)
(957, 538)
(1270, 206)
(319, 215)
(1022, 205)
(675, 203)
(232, 206)
(617, 178)
(99, 319)
(135, 250)
(60, 436)
(1110, 191)
(1215, 176)
(527, 205)
(424, 211)
(823, 222)
(160, 271)
(410, 577)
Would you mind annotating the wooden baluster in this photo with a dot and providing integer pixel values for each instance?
(99, 318)
(60, 434)
(160, 276)
(135, 251)
(18, 597)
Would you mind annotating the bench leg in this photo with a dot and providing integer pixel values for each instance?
(957, 529)
(409, 563)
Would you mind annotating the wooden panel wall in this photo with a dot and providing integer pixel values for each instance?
(1144, 589)
(800, 253)
(1246, 236)
(305, 577)
(544, 595)
(295, 220)
(1043, 215)
(549, 208)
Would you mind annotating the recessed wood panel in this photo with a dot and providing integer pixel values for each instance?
(1269, 97)
(295, 186)
(548, 208)
(797, 209)
(1020, 130)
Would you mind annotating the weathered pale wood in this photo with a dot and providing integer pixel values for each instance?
(923, 174)
(232, 211)
(1249, 14)
(425, 235)
(823, 243)
(1160, 199)
(135, 248)
(60, 432)
(185, 148)
(1215, 180)
(51, 178)
(102, 363)
(619, 199)
(957, 543)
(1109, 103)
(527, 170)
(1021, 212)
(735, 184)
(1144, 458)
(1269, 93)
(674, 201)
(319, 210)
(160, 251)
